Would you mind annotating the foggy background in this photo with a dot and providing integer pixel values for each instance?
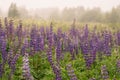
(63, 10)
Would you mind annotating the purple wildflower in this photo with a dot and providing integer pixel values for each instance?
(58, 50)
(118, 66)
(104, 72)
(26, 69)
(71, 72)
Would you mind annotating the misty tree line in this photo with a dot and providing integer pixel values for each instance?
(67, 14)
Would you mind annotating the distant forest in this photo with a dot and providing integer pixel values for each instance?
(67, 14)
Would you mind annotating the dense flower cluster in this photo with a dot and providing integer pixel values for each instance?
(53, 46)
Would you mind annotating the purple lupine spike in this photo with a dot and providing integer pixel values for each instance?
(118, 66)
(93, 49)
(49, 56)
(42, 31)
(40, 43)
(47, 33)
(85, 48)
(33, 35)
(26, 69)
(2, 32)
(100, 49)
(51, 36)
(33, 39)
(11, 30)
(55, 39)
(1, 70)
(25, 46)
(12, 63)
(3, 48)
(86, 31)
(104, 72)
(76, 44)
(10, 56)
(59, 34)
(56, 69)
(107, 43)
(73, 32)
(71, 49)
(49, 51)
(58, 50)
(71, 72)
(118, 38)
(65, 43)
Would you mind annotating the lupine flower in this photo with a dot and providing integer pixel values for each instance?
(33, 38)
(86, 53)
(12, 60)
(2, 32)
(26, 69)
(12, 63)
(1, 70)
(50, 36)
(66, 43)
(54, 66)
(56, 69)
(118, 66)
(104, 73)
(49, 51)
(49, 56)
(25, 47)
(107, 43)
(10, 57)
(10, 30)
(71, 72)
(39, 43)
(3, 47)
(59, 34)
(76, 45)
(86, 31)
(118, 38)
(71, 49)
(42, 31)
(58, 50)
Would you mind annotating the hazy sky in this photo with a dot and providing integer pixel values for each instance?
(32, 4)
